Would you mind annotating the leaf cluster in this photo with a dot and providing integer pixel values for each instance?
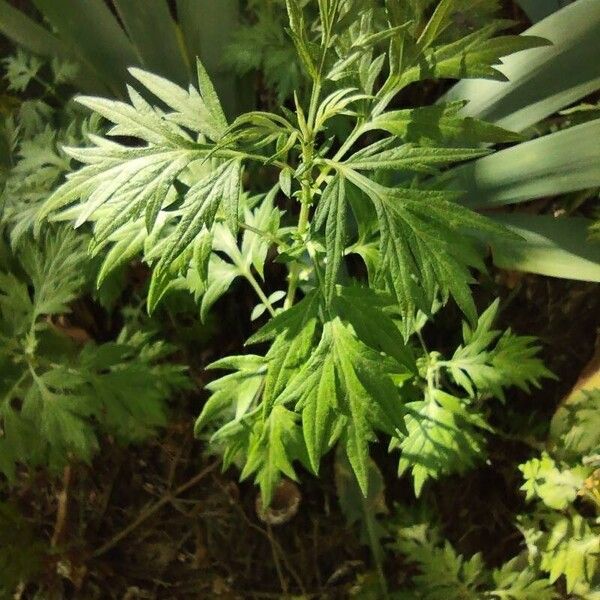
(55, 396)
(444, 573)
(562, 532)
(167, 181)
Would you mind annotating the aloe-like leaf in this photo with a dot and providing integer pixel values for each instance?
(541, 80)
(96, 36)
(537, 10)
(566, 161)
(142, 20)
(206, 26)
(550, 246)
(27, 33)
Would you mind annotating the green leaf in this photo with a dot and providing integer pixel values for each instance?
(68, 397)
(202, 201)
(491, 360)
(287, 320)
(269, 449)
(571, 549)
(300, 37)
(190, 108)
(425, 246)
(513, 582)
(575, 427)
(21, 70)
(289, 352)
(132, 384)
(556, 487)
(344, 382)
(411, 158)
(233, 395)
(474, 55)
(365, 310)
(442, 572)
(444, 437)
(210, 97)
(440, 123)
(333, 209)
(54, 269)
(440, 19)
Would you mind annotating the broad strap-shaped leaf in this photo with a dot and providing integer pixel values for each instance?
(541, 81)
(564, 161)
(97, 36)
(556, 247)
(142, 20)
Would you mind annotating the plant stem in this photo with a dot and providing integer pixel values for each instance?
(356, 133)
(256, 286)
(307, 190)
(266, 234)
(295, 270)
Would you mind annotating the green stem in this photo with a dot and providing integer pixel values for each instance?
(350, 140)
(265, 234)
(306, 188)
(259, 292)
(295, 270)
(229, 153)
(50, 89)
